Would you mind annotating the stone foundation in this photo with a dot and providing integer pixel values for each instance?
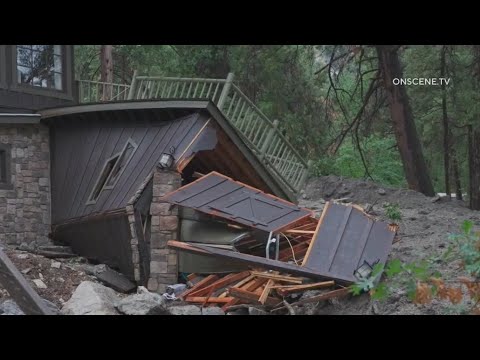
(25, 200)
(165, 227)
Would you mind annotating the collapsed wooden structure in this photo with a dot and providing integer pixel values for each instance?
(310, 253)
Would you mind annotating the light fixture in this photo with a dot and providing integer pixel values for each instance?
(167, 159)
(363, 271)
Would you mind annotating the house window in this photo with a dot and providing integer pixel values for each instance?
(5, 166)
(40, 66)
(122, 162)
(112, 170)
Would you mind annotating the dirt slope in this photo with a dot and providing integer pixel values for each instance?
(423, 231)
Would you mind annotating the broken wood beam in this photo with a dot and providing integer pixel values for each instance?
(205, 299)
(204, 282)
(266, 291)
(276, 277)
(294, 231)
(252, 298)
(257, 261)
(226, 280)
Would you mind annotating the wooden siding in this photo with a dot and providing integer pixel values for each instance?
(81, 144)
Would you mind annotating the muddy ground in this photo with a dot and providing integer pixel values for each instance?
(423, 232)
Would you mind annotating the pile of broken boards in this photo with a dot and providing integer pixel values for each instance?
(242, 247)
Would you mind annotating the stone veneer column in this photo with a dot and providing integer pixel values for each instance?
(165, 227)
(25, 207)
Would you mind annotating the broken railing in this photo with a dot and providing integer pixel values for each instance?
(261, 134)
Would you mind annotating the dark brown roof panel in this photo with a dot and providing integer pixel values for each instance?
(344, 239)
(219, 195)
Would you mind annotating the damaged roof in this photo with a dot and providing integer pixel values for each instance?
(346, 237)
(221, 196)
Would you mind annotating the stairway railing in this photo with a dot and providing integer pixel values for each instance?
(261, 134)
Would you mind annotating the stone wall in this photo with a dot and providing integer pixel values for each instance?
(25, 207)
(165, 227)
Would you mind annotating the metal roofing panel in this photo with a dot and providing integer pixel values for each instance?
(221, 196)
(346, 237)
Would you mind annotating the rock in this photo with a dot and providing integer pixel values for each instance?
(184, 310)
(322, 201)
(213, 311)
(381, 191)
(254, 311)
(304, 196)
(40, 275)
(54, 308)
(26, 271)
(424, 212)
(146, 303)
(22, 256)
(39, 283)
(238, 312)
(90, 298)
(435, 199)
(114, 279)
(10, 307)
(56, 264)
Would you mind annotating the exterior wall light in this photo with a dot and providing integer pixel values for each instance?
(363, 271)
(167, 159)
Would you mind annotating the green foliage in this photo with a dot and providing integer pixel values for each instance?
(381, 157)
(468, 244)
(393, 212)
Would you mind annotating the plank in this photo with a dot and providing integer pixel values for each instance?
(266, 291)
(207, 281)
(287, 290)
(259, 262)
(252, 298)
(204, 299)
(278, 277)
(294, 231)
(227, 280)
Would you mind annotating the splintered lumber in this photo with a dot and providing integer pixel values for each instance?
(252, 298)
(257, 261)
(278, 277)
(266, 292)
(295, 231)
(226, 280)
(289, 289)
(207, 281)
(249, 286)
(204, 299)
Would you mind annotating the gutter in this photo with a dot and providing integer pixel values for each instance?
(20, 118)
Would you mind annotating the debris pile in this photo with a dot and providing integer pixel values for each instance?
(284, 251)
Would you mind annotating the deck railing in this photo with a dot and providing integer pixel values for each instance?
(97, 91)
(261, 134)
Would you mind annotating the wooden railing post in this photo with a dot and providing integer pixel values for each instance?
(268, 140)
(225, 91)
(131, 93)
(305, 174)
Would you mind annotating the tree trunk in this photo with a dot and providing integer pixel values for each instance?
(446, 132)
(456, 175)
(474, 166)
(106, 71)
(408, 142)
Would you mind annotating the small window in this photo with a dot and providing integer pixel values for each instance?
(112, 170)
(40, 66)
(120, 165)
(5, 181)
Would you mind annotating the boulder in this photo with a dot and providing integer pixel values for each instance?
(10, 307)
(184, 310)
(144, 303)
(91, 298)
(213, 311)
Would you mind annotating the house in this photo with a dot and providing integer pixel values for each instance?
(86, 164)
